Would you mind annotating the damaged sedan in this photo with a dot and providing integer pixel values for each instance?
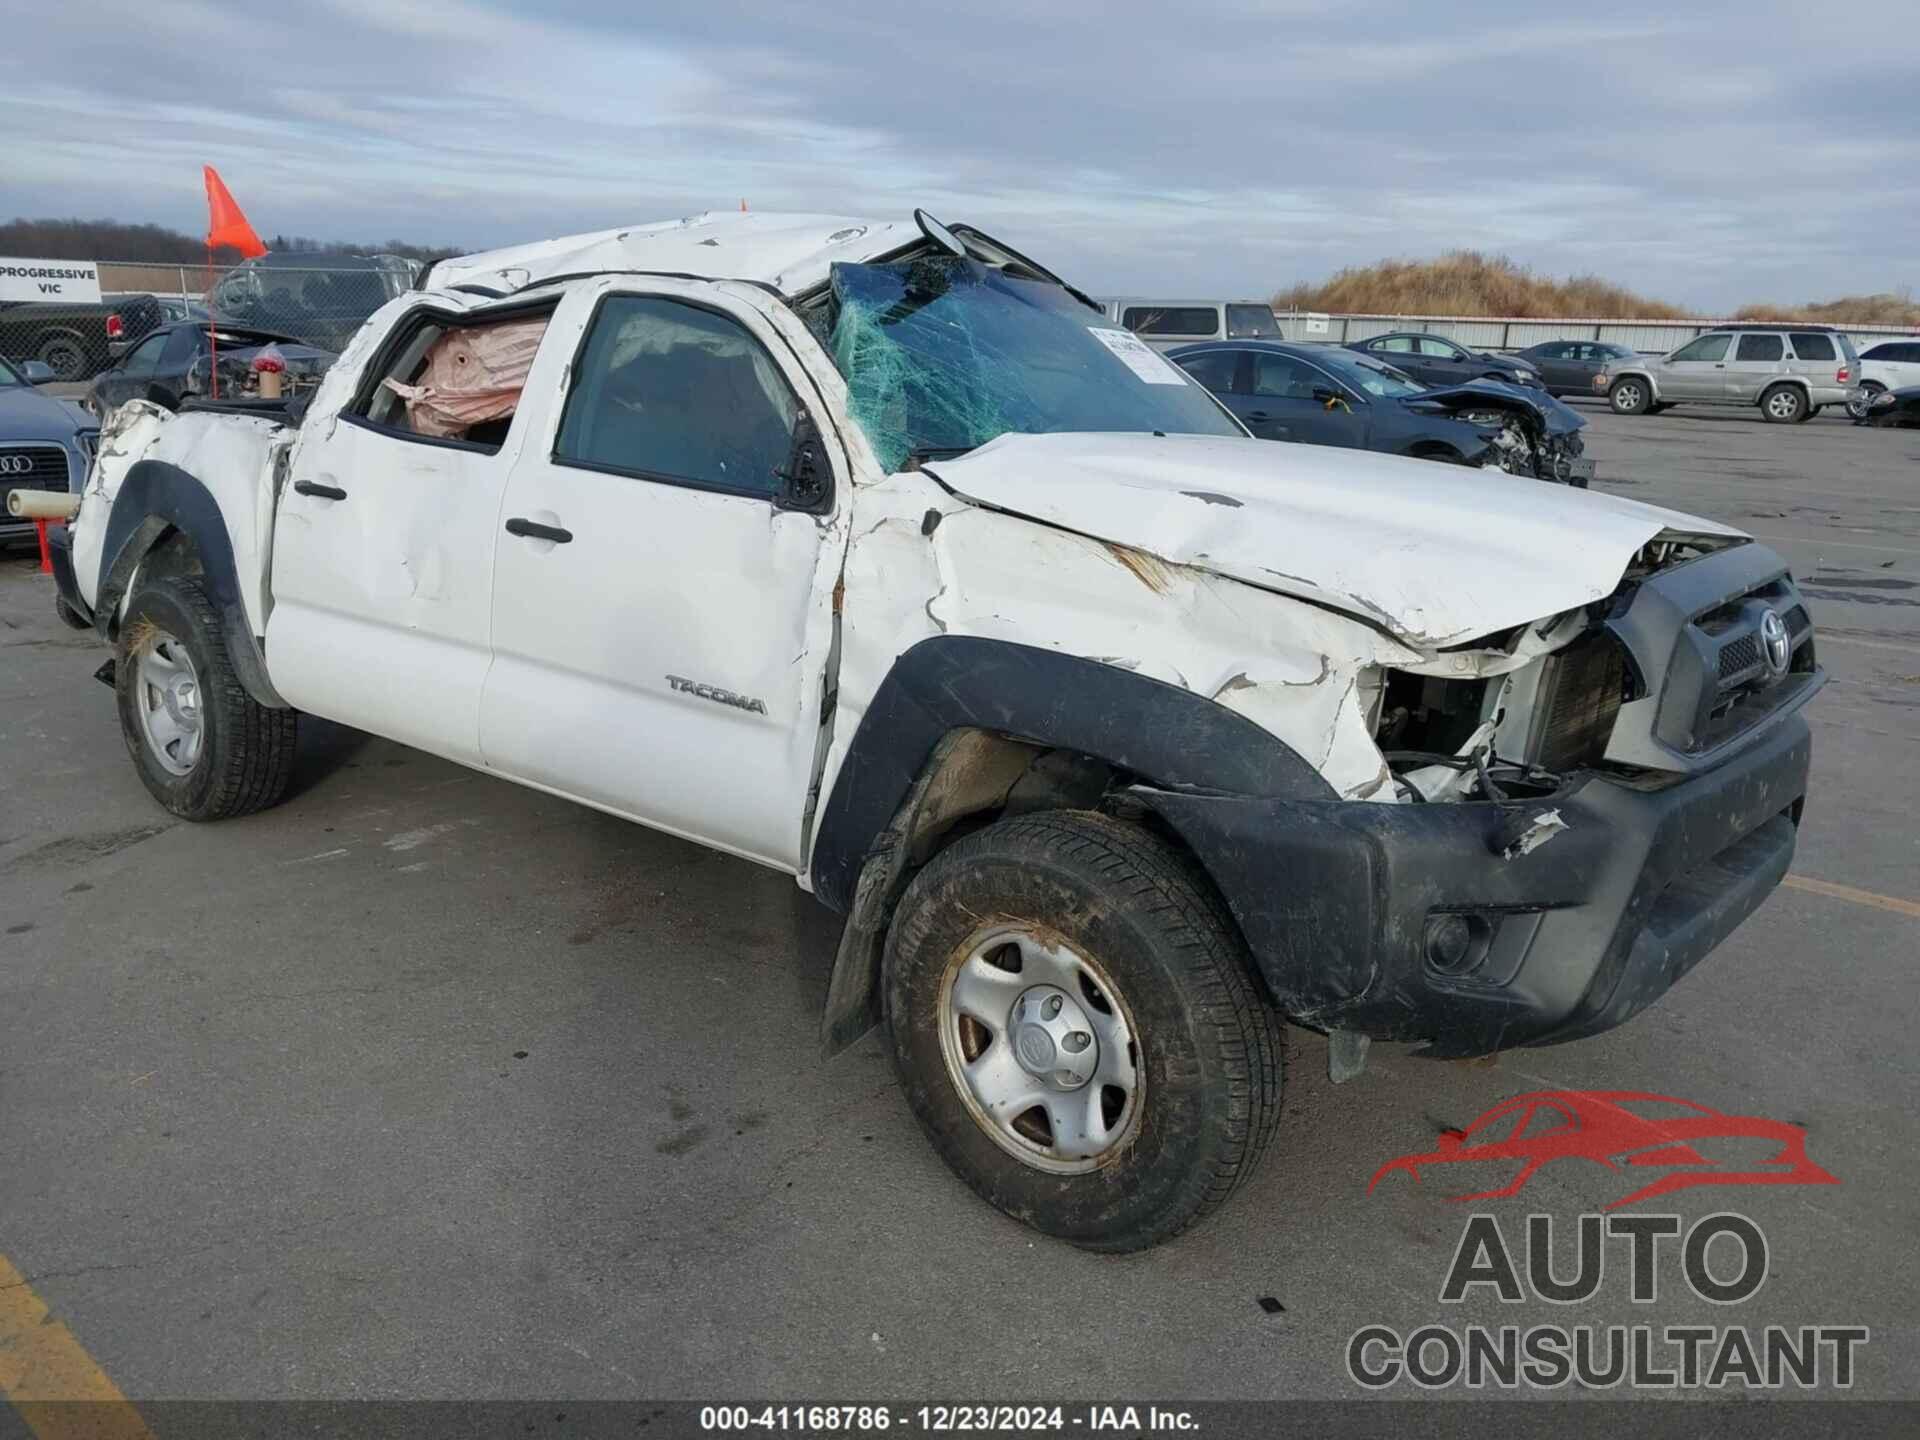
(873, 552)
(1323, 395)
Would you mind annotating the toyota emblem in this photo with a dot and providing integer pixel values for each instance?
(15, 465)
(1774, 641)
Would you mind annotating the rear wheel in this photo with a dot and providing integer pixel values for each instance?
(1078, 1031)
(204, 747)
(1629, 396)
(65, 356)
(1783, 405)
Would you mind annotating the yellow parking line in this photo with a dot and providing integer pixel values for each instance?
(1858, 897)
(44, 1372)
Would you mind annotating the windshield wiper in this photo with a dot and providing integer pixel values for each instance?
(920, 454)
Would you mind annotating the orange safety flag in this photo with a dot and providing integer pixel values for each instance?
(225, 224)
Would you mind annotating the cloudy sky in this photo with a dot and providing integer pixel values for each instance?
(1710, 154)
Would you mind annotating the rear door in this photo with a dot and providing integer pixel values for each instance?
(384, 543)
(661, 622)
(1403, 353)
(1556, 360)
(1757, 360)
(1697, 370)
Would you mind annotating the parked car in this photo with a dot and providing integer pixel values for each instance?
(1327, 395)
(1890, 365)
(1895, 409)
(45, 444)
(1435, 360)
(869, 551)
(1569, 367)
(319, 298)
(1166, 323)
(1787, 372)
(173, 363)
(74, 339)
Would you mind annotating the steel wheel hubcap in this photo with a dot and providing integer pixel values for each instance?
(167, 694)
(1040, 1046)
(1782, 404)
(1629, 395)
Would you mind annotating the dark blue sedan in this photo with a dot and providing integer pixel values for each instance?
(1325, 395)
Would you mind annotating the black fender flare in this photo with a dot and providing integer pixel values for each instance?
(1162, 735)
(154, 498)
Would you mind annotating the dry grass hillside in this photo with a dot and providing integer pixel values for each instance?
(1847, 310)
(1467, 282)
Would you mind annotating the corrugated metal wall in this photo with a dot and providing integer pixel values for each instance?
(1653, 336)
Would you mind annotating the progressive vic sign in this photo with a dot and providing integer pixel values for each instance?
(66, 281)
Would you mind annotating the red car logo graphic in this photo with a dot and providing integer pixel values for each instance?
(1622, 1130)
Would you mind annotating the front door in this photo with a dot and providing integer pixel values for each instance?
(1697, 370)
(1287, 392)
(661, 625)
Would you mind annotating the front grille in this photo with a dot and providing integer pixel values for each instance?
(1720, 685)
(46, 467)
(46, 470)
(1580, 693)
(1743, 653)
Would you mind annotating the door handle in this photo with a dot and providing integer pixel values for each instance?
(325, 492)
(532, 530)
(1258, 415)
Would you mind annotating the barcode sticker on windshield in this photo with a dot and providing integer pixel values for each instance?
(1138, 356)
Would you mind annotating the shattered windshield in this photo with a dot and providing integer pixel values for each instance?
(942, 354)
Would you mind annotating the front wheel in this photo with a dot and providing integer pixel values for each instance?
(1629, 396)
(1077, 1028)
(204, 747)
(1862, 400)
(1784, 405)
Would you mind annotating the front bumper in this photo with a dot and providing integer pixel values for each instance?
(1573, 938)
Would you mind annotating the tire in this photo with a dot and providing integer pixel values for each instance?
(1629, 395)
(1868, 389)
(1812, 410)
(209, 751)
(1184, 1069)
(1783, 405)
(1659, 407)
(66, 356)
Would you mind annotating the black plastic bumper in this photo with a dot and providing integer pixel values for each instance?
(1570, 939)
(60, 556)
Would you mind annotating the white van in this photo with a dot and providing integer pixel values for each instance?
(1166, 323)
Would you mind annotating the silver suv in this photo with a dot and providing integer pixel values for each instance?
(1787, 371)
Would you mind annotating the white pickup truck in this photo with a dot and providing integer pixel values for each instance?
(874, 553)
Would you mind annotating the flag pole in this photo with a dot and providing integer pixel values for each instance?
(213, 330)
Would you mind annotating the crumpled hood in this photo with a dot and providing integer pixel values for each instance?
(1434, 554)
(1557, 418)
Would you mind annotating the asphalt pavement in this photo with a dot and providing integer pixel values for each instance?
(425, 1085)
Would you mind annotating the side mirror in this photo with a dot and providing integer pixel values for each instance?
(806, 481)
(36, 372)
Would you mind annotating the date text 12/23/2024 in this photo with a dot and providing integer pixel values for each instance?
(946, 1419)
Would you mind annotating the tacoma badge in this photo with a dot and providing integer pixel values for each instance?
(714, 692)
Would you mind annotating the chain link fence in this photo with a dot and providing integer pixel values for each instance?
(316, 300)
